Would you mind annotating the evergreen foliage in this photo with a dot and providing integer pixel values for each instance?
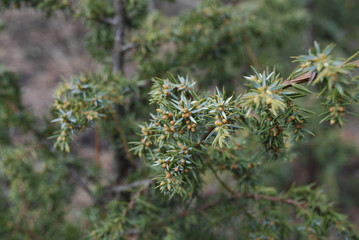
(201, 160)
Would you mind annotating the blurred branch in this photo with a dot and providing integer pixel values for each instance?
(110, 21)
(258, 196)
(76, 176)
(128, 47)
(131, 232)
(124, 141)
(220, 180)
(132, 202)
(119, 26)
(124, 188)
(250, 52)
(23, 210)
(97, 146)
(272, 199)
(235, 197)
(205, 136)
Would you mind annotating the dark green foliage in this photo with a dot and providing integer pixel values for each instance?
(216, 42)
(335, 21)
(48, 6)
(12, 113)
(40, 211)
(35, 181)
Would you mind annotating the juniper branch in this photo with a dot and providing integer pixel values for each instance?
(308, 76)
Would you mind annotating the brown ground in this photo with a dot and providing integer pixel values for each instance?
(41, 50)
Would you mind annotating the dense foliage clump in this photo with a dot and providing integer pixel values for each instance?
(224, 122)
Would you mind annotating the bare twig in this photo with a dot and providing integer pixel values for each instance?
(308, 76)
(110, 21)
(204, 136)
(129, 47)
(12, 106)
(124, 141)
(227, 152)
(234, 198)
(150, 6)
(272, 199)
(257, 196)
(355, 63)
(22, 211)
(119, 40)
(76, 176)
(220, 180)
(127, 187)
(132, 202)
(97, 146)
(300, 79)
(250, 52)
(131, 232)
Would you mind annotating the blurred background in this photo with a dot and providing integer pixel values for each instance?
(43, 50)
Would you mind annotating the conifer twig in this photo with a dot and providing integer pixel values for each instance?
(76, 176)
(235, 197)
(119, 28)
(126, 187)
(257, 196)
(272, 199)
(124, 141)
(250, 52)
(132, 202)
(220, 180)
(129, 46)
(307, 76)
(97, 146)
(205, 136)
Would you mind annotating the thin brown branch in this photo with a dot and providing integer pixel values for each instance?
(129, 47)
(300, 79)
(119, 41)
(220, 180)
(250, 52)
(355, 63)
(12, 106)
(124, 141)
(308, 76)
(97, 146)
(109, 21)
(23, 213)
(272, 199)
(204, 136)
(127, 187)
(76, 176)
(234, 198)
(257, 196)
(31, 234)
(132, 232)
(22, 210)
(132, 202)
(129, 207)
(227, 152)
